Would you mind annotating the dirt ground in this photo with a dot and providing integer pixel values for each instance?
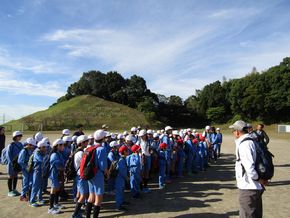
(208, 194)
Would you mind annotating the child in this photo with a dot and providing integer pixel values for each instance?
(13, 151)
(162, 164)
(37, 184)
(23, 159)
(55, 175)
(82, 185)
(180, 158)
(121, 178)
(202, 153)
(134, 167)
(112, 156)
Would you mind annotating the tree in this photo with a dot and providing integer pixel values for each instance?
(216, 114)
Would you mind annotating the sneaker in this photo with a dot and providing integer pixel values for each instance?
(58, 206)
(41, 202)
(16, 192)
(11, 194)
(53, 211)
(23, 198)
(34, 204)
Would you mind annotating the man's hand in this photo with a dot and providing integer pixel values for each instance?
(263, 182)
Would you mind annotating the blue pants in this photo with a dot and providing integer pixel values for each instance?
(162, 170)
(97, 184)
(180, 166)
(26, 182)
(190, 162)
(120, 187)
(135, 183)
(111, 184)
(37, 186)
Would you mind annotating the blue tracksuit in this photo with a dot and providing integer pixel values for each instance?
(13, 151)
(97, 184)
(191, 156)
(162, 167)
(66, 153)
(120, 181)
(134, 167)
(219, 142)
(202, 154)
(214, 141)
(56, 164)
(112, 156)
(168, 152)
(180, 160)
(23, 159)
(37, 184)
(107, 147)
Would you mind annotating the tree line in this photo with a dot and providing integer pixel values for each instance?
(258, 96)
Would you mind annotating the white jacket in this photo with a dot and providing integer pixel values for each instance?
(246, 159)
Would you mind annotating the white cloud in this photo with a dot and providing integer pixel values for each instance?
(12, 113)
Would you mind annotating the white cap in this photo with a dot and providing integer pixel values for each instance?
(120, 136)
(175, 132)
(99, 134)
(108, 134)
(207, 127)
(66, 132)
(149, 131)
(38, 136)
(155, 135)
(41, 144)
(81, 139)
(57, 142)
(31, 141)
(90, 137)
(162, 130)
(168, 128)
(45, 140)
(134, 129)
(16, 133)
(74, 138)
(181, 134)
(238, 125)
(113, 136)
(195, 131)
(188, 130)
(142, 132)
(67, 139)
(129, 138)
(113, 144)
(218, 129)
(125, 133)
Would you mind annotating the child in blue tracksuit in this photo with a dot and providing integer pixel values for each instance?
(121, 178)
(112, 156)
(134, 168)
(219, 141)
(13, 151)
(55, 175)
(202, 154)
(166, 139)
(180, 158)
(37, 184)
(191, 156)
(162, 164)
(214, 142)
(23, 159)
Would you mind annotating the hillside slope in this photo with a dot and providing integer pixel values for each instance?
(88, 110)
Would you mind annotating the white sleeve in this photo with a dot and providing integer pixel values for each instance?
(77, 159)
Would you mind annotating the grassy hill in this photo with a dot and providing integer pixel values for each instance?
(88, 110)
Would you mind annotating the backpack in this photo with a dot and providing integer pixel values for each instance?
(46, 166)
(4, 160)
(30, 164)
(70, 171)
(88, 167)
(264, 161)
(113, 171)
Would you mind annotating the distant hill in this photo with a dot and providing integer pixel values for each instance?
(88, 110)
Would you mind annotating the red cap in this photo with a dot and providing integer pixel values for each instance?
(197, 135)
(163, 145)
(194, 141)
(122, 149)
(180, 141)
(201, 138)
(135, 148)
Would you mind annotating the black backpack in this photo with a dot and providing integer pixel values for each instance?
(264, 160)
(70, 171)
(46, 166)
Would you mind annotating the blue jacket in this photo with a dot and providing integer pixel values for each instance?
(101, 159)
(122, 168)
(134, 163)
(219, 138)
(161, 157)
(113, 156)
(66, 153)
(37, 161)
(13, 150)
(56, 164)
(23, 158)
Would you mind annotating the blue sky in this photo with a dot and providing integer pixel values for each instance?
(177, 46)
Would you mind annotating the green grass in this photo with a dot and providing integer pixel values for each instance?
(88, 110)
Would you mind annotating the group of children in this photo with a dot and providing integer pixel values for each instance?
(116, 159)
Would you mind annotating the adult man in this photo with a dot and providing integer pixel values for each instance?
(248, 182)
(263, 138)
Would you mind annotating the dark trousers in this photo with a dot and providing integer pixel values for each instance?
(251, 203)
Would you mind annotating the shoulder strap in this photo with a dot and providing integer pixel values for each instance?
(239, 159)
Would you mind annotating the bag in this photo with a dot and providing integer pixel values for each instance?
(4, 160)
(70, 171)
(30, 164)
(264, 161)
(15, 165)
(113, 171)
(88, 168)
(46, 166)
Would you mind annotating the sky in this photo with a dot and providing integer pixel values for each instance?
(176, 46)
